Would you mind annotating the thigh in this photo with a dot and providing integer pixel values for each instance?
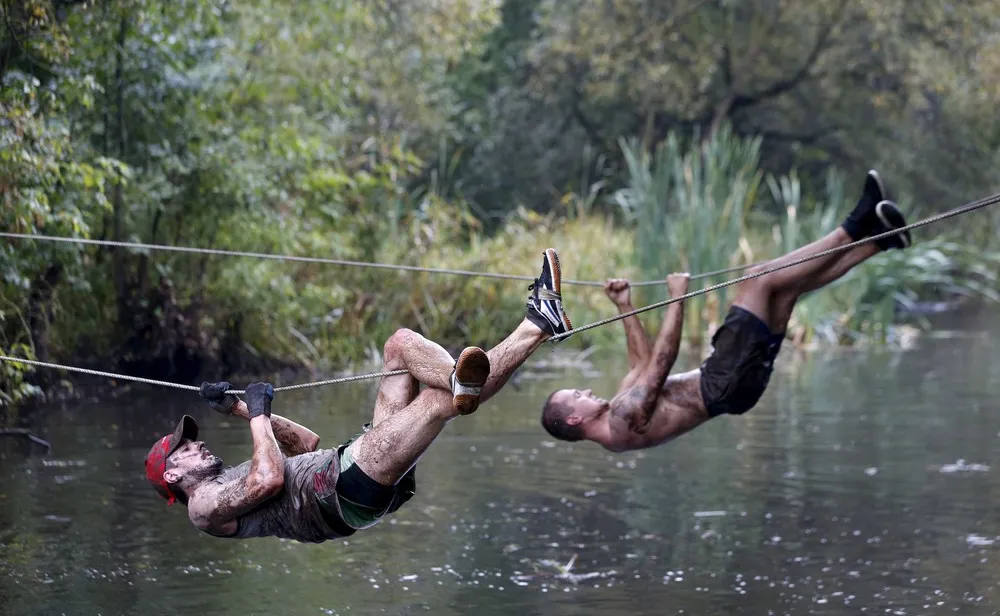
(781, 311)
(774, 309)
(755, 297)
(394, 394)
(391, 448)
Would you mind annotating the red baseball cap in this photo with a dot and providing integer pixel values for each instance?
(156, 459)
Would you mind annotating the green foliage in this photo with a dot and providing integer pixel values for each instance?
(14, 386)
(689, 209)
(899, 84)
(454, 133)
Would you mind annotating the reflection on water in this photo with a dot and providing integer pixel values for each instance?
(862, 483)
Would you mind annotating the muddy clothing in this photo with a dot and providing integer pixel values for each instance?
(362, 501)
(318, 501)
(735, 375)
(295, 513)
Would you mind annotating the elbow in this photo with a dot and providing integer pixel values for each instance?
(273, 486)
(311, 442)
(268, 484)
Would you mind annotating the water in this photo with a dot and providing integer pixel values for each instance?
(863, 483)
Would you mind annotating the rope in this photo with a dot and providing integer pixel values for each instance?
(975, 205)
(344, 262)
(279, 257)
(137, 379)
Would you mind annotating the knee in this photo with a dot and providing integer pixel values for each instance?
(393, 348)
(758, 282)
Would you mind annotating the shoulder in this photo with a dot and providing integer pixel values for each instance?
(200, 506)
(628, 404)
(627, 399)
(204, 504)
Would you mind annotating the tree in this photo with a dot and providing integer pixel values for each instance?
(824, 82)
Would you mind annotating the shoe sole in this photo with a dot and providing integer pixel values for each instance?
(882, 194)
(904, 237)
(553, 259)
(472, 370)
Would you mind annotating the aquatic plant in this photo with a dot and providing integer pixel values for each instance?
(688, 210)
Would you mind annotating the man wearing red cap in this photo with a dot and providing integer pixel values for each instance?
(313, 495)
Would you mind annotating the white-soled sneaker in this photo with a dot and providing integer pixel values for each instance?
(471, 372)
(545, 300)
(888, 217)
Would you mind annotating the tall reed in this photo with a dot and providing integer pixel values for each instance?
(688, 209)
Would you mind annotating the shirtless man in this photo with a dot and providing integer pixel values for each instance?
(651, 408)
(294, 490)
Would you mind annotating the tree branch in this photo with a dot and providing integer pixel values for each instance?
(806, 138)
(28, 435)
(782, 86)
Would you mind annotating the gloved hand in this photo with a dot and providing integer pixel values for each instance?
(259, 396)
(217, 398)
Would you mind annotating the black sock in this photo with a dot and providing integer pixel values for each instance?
(858, 223)
(853, 227)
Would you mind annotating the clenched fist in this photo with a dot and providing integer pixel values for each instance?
(619, 291)
(677, 284)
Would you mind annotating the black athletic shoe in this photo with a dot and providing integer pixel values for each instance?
(887, 217)
(874, 189)
(545, 301)
(859, 222)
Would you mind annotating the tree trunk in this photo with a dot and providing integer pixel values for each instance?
(143, 284)
(40, 309)
(720, 115)
(121, 287)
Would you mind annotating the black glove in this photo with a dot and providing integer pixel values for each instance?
(259, 396)
(217, 398)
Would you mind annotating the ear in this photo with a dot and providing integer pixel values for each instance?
(171, 476)
(574, 420)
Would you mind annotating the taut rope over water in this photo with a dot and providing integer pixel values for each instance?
(328, 261)
(139, 379)
(975, 205)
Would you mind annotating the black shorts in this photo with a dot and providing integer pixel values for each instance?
(361, 502)
(735, 375)
(364, 501)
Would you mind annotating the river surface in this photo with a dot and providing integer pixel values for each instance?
(865, 482)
